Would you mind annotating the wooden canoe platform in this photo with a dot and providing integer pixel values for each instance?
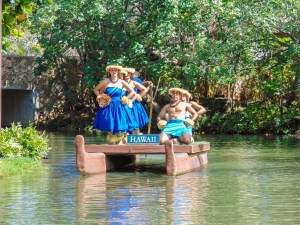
(96, 159)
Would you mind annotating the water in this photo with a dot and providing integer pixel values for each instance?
(249, 180)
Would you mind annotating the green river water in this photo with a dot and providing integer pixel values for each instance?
(249, 180)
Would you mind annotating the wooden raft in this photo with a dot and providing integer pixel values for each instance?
(96, 159)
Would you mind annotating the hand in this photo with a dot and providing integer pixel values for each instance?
(161, 124)
(138, 98)
(98, 98)
(124, 100)
(189, 122)
(129, 103)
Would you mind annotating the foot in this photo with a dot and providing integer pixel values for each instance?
(174, 140)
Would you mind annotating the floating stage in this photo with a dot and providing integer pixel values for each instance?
(102, 158)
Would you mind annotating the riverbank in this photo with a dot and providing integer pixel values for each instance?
(17, 166)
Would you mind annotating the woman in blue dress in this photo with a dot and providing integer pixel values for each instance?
(138, 110)
(113, 115)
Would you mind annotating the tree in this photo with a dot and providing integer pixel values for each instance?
(178, 43)
(14, 18)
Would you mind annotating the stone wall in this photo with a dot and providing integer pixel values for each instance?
(17, 72)
(20, 93)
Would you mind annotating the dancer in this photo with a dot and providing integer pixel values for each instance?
(138, 110)
(176, 126)
(113, 116)
(199, 109)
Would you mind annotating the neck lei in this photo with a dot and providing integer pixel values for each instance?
(113, 81)
(174, 104)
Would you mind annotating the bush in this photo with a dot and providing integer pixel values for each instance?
(255, 119)
(23, 142)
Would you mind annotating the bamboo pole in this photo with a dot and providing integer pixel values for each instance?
(150, 111)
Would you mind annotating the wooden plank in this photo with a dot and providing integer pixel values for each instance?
(146, 149)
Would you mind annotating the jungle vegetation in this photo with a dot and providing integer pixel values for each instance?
(248, 50)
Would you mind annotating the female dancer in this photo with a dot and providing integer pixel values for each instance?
(112, 116)
(138, 111)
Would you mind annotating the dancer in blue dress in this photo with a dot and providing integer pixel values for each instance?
(113, 116)
(138, 110)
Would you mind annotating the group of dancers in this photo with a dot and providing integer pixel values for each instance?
(121, 113)
(120, 110)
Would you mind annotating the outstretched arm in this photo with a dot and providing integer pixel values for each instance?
(200, 109)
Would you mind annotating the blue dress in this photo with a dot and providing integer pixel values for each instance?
(139, 113)
(116, 117)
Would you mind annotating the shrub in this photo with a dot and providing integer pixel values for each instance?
(16, 141)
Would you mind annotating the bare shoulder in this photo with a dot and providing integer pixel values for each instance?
(166, 107)
(105, 81)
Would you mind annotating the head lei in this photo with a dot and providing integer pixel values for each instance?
(123, 71)
(108, 68)
(188, 94)
(180, 90)
(130, 70)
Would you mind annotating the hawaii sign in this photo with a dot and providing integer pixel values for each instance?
(143, 139)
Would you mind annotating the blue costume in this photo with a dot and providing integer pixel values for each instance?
(175, 128)
(116, 117)
(139, 112)
(139, 81)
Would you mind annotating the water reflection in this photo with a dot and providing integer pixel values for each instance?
(249, 180)
(162, 200)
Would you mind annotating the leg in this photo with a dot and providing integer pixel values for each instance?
(185, 138)
(171, 168)
(163, 138)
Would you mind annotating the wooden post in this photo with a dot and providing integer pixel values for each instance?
(150, 111)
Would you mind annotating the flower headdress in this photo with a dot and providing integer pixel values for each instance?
(108, 68)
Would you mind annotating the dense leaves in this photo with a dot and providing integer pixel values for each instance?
(204, 46)
(23, 142)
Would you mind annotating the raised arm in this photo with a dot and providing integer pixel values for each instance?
(193, 113)
(100, 86)
(200, 109)
(142, 88)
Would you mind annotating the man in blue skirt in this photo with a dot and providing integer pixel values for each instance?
(177, 124)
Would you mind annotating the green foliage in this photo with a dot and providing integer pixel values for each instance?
(15, 23)
(174, 43)
(23, 142)
(257, 118)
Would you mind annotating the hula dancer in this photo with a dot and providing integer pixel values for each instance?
(138, 110)
(113, 116)
(177, 125)
(199, 109)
